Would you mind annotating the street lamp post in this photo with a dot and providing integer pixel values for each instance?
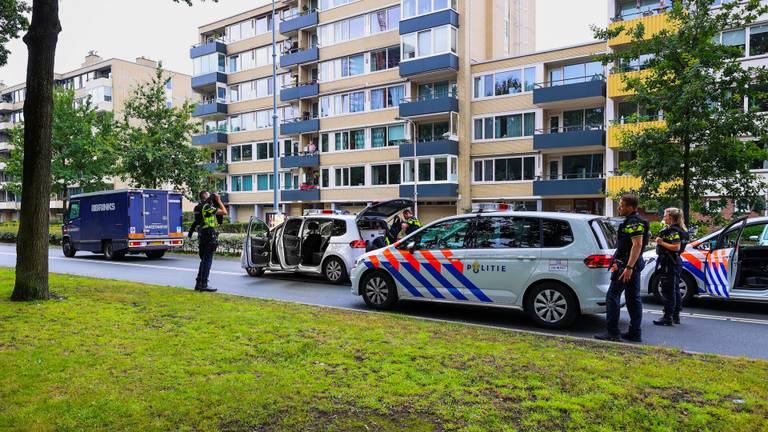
(412, 127)
(275, 146)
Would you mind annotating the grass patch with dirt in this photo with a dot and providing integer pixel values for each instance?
(115, 355)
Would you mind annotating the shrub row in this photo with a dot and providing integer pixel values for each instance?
(229, 244)
(10, 237)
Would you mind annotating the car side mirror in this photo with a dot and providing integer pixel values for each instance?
(754, 238)
(411, 246)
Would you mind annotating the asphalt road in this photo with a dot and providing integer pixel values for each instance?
(709, 326)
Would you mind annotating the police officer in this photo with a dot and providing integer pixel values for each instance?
(669, 245)
(207, 212)
(625, 273)
(411, 223)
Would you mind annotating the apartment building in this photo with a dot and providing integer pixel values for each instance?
(622, 114)
(363, 85)
(108, 82)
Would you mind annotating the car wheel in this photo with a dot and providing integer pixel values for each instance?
(157, 254)
(378, 290)
(109, 252)
(551, 305)
(688, 288)
(334, 270)
(68, 249)
(255, 271)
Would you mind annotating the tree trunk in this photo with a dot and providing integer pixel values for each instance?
(32, 242)
(686, 185)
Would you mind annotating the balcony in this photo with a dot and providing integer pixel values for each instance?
(423, 22)
(208, 80)
(6, 107)
(569, 187)
(297, 57)
(298, 22)
(209, 47)
(6, 125)
(619, 184)
(429, 147)
(422, 106)
(210, 108)
(431, 64)
(569, 138)
(616, 85)
(300, 160)
(300, 195)
(580, 91)
(654, 21)
(431, 190)
(303, 90)
(215, 167)
(299, 126)
(616, 130)
(210, 138)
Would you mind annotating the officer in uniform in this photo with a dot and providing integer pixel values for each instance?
(208, 214)
(410, 224)
(669, 245)
(625, 273)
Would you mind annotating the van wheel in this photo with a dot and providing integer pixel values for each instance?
(155, 254)
(255, 271)
(335, 271)
(68, 249)
(378, 290)
(110, 254)
(688, 288)
(551, 305)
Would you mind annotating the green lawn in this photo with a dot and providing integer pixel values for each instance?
(122, 356)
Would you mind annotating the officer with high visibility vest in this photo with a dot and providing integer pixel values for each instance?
(410, 224)
(670, 243)
(206, 213)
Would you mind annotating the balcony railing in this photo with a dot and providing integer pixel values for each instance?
(299, 20)
(631, 124)
(304, 124)
(442, 102)
(643, 12)
(299, 90)
(561, 92)
(573, 80)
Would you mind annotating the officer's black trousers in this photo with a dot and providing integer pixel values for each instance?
(670, 291)
(631, 291)
(208, 245)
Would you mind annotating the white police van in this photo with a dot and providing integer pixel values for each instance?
(554, 266)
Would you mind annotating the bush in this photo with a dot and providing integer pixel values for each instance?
(8, 236)
(229, 244)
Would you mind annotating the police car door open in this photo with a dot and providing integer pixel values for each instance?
(720, 269)
(257, 246)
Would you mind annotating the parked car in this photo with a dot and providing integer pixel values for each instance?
(731, 263)
(321, 242)
(554, 266)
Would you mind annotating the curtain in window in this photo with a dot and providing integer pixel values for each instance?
(378, 137)
(394, 95)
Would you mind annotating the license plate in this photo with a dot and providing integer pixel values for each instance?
(156, 243)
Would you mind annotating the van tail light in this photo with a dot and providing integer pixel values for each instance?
(64, 230)
(357, 244)
(598, 261)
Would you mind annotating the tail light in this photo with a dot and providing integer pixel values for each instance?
(64, 230)
(598, 261)
(357, 244)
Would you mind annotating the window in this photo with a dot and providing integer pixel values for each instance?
(505, 126)
(240, 153)
(557, 233)
(357, 139)
(206, 64)
(736, 38)
(583, 166)
(409, 46)
(412, 8)
(450, 234)
(265, 182)
(350, 176)
(577, 73)
(432, 131)
(385, 59)
(758, 40)
(583, 119)
(439, 169)
(429, 42)
(389, 97)
(384, 20)
(521, 168)
(355, 27)
(264, 150)
(74, 210)
(242, 183)
(387, 174)
(505, 232)
(325, 179)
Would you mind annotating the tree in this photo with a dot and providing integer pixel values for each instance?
(155, 137)
(13, 20)
(41, 40)
(710, 141)
(83, 146)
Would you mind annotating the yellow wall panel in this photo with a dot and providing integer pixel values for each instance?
(615, 131)
(653, 24)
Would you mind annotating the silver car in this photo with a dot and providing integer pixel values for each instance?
(554, 266)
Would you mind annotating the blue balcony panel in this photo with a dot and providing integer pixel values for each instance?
(441, 62)
(430, 106)
(300, 195)
(209, 80)
(569, 92)
(207, 109)
(207, 48)
(305, 56)
(299, 22)
(210, 138)
(428, 21)
(439, 190)
(300, 127)
(569, 187)
(300, 161)
(429, 148)
(299, 92)
(566, 140)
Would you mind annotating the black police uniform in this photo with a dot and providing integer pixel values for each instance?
(669, 265)
(206, 219)
(632, 227)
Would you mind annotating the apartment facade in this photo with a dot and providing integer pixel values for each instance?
(108, 82)
(374, 100)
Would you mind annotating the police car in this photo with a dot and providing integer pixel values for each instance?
(731, 263)
(321, 242)
(554, 266)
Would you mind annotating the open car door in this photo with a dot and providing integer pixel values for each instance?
(721, 269)
(257, 245)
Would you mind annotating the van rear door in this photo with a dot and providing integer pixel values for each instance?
(156, 213)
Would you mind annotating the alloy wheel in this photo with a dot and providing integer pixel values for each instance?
(550, 305)
(376, 290)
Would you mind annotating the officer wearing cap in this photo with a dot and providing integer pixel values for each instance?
(670, 243)
(207, 213)
(625, 273)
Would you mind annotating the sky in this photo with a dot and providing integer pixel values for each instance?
(164, 30)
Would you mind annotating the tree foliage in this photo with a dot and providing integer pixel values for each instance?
(13, 20)
(712, 138)
(83, 145)
(155, 148)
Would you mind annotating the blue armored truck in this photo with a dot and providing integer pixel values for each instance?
(121, 222)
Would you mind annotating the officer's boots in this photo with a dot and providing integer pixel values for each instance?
(665, 320)
(676, 318)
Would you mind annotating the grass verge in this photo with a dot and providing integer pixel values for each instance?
(124, 356)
